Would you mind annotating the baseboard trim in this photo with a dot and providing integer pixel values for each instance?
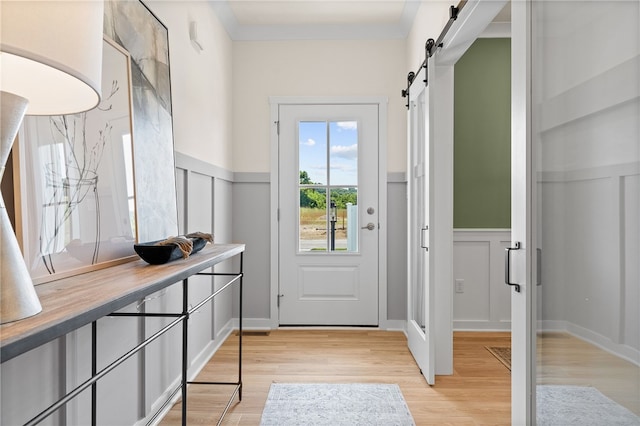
(462, 325)
(256, 324)
(393, 325)
(264, 324)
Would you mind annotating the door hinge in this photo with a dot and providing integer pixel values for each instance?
(278, 215)
(279, 296)
(277, 123)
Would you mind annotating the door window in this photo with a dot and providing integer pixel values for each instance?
(328, 186)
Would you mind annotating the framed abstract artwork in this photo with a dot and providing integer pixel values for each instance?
(77, 192)
(134, 27)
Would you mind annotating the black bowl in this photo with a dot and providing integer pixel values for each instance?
(157, 255)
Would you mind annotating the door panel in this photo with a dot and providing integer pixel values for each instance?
(328, 282)
(421, 323)
(586, 152)
(328, 204)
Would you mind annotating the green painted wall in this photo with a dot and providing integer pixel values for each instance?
(482, 136)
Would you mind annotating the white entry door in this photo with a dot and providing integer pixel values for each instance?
(421, 313)
(328, 227)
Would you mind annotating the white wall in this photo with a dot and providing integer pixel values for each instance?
(201, 81)
(429, 22)
(312, 68)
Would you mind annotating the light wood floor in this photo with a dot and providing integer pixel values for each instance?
(478, 393)
(566, 360)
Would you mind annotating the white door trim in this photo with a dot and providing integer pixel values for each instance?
(381, 102)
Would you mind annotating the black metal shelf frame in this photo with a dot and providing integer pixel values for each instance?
(179, 318)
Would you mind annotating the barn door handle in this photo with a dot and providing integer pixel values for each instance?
(507, 266)
(538, 266)
(423, 244)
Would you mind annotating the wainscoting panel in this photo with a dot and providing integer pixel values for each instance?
(472, 280)
(208, 202)
(591, 280)
(199, 217)
(631, 299)
(397, 248)
(204, 204)
(224, 304)
(34, 376)
(481, 299)
(251, 225)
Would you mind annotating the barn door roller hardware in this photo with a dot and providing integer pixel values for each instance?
(431, 46)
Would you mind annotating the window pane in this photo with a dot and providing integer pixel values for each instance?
(312, 220)
(343, 160)
(343, 219)
(328, 164)
(312, 157)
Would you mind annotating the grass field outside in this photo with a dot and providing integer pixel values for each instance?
(314, 227)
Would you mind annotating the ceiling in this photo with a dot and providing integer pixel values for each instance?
(316, 19)
(321, 19)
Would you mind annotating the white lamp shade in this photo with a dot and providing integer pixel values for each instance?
(51, 53)
(50, 60)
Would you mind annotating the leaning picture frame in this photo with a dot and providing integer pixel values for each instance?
(132, 25)
(76, 176)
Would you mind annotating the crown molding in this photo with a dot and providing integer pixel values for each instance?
(354, 31)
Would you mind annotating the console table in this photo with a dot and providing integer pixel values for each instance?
(73, 302)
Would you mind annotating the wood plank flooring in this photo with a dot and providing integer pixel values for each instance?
(478, 393)
(564, 359)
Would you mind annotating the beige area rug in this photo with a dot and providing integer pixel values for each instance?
(502, 353)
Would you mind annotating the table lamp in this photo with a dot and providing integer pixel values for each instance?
(50, 64)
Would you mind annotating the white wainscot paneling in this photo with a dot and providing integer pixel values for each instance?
(251, 225)
(396, 249)
(590, 250)
(472, 281)
(591, 271)
(162, 364)
(224, 304)
(481, 299)
(117, 404)
(203, 197)
(199, 216)
(32, 382)
(208, 205)
(631, 215)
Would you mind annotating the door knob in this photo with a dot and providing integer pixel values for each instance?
(370, 226)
